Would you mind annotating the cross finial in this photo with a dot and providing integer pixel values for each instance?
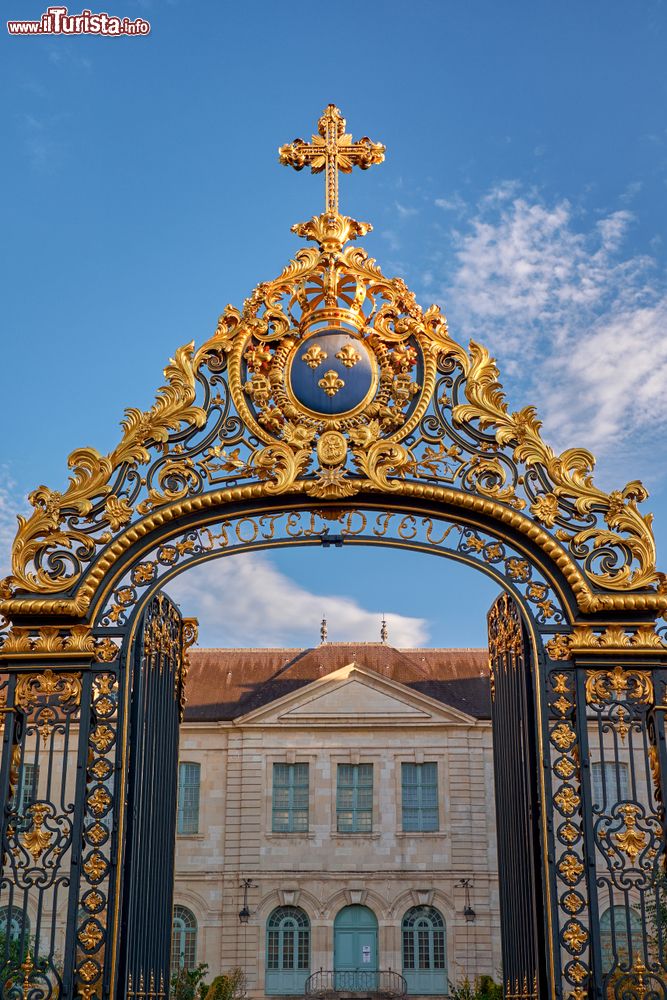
(331, 150)
(323, 630)
(384, 631)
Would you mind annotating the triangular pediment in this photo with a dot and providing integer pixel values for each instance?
(354, 695)
(354, 698)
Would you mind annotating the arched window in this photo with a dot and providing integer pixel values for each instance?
(183, 940)
(14, 923)
(424, 950)
(287, 950)
(188, 798)
(614, 925)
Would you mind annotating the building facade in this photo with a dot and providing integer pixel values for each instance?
(351, 785)
(336, 818)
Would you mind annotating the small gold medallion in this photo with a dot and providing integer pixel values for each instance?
(331, 448)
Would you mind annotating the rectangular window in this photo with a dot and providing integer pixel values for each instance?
(188, 798)
(610, 784)
(354, 798)
(290, 798)
(27, 794)
(420, 797)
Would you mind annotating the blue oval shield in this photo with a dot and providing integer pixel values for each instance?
(332, 372)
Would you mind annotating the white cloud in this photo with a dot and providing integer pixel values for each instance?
(246, 601)
(11, 504)
(577, 325)
(405, 211)
(66, 55)
(631, 191)
(392, 238)
(454, 203)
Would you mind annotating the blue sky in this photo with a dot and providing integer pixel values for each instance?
(523, 190)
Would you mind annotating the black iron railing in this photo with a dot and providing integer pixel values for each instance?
(385, 982)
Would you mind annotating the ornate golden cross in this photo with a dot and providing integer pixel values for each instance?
(332, 150)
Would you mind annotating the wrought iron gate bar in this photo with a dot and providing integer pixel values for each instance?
(516, 991)
(522, 900)
(152, 784)
(591, 933)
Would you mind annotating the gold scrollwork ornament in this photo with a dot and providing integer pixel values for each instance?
(606, 685)
(609, 562)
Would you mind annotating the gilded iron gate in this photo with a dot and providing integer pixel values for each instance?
(522, 910)
(43, 783)
(70, 857)
(253, 441)
(146, 904)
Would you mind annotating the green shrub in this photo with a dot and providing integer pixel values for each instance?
(484, 988)
(188, 984)
(230, 986)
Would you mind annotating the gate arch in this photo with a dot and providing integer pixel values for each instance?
(331, 399)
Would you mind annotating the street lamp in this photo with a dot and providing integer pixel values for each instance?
(468, 912)
(244, 912)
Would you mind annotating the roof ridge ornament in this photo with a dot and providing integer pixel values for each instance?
(330, 151)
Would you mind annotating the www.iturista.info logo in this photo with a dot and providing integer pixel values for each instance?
(57, 21)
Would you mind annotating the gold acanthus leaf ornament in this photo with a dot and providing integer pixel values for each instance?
(619, 684)
(56, 642)
(614, 638)
(33, 689)
(41, 532)
(570, 474)
(596, 538)
(631, 841)
(575, 936)
(37, 839)
(90, 935)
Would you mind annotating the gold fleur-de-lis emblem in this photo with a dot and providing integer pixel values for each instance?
(331, 383)
(314, 356)
(348, 356)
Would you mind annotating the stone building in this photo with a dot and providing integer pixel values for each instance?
(351, 787)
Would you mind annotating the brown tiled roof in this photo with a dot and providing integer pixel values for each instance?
(224, 684)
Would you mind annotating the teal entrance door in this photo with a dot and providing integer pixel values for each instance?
(355, 949)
